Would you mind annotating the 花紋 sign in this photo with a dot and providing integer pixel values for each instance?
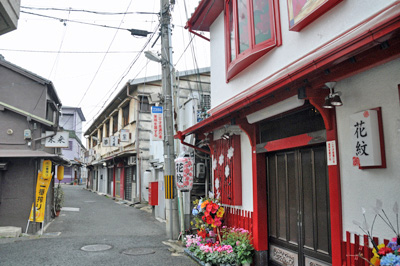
(184, 173)
(366, 140)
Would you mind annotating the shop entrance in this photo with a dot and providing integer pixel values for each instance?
(118, 182)
(298, 207)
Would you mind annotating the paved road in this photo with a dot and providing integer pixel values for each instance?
(99, 221)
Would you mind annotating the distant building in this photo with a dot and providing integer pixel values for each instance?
(125, 142)
(71, 120)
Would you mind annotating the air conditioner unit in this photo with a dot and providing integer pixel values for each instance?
(132, 160)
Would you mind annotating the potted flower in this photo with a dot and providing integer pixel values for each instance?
(240, 240)
(58, 199)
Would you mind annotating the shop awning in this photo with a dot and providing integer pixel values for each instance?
(7, 154)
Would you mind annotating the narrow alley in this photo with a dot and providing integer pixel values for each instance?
(111, 233)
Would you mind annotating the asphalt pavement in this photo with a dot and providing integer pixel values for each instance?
(94, 230)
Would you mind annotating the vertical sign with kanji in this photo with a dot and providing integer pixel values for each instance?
(184, 173)
(42, 186)
(331, 152)
(365, 146)
(157, 122)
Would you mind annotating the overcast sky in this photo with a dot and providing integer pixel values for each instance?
(74, 55)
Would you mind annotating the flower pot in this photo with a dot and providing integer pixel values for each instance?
(58, 213)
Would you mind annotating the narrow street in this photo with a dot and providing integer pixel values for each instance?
(131, 236)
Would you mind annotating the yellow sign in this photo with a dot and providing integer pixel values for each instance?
(42, 187)
(60, 172)
(46, 169)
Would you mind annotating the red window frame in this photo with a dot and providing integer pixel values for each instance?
(255, 51)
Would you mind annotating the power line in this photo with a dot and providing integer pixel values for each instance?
(68, 52)
(102, 61)
(125, 74)
(89, 11)
(63, 20)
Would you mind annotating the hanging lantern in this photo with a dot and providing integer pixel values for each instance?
(184, 173)
(60, 172)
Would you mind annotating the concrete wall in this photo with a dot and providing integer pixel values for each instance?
(360, 188)
(26, 94)
(294, 45)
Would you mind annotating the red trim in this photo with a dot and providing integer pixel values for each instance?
(319, 11)
(381, 140)
(335, 199)
(288, 143)
(197, 34)
(122, 183)
(182, 138)
(255, 51)
(260, 218)
(351, 250)
(205, 14)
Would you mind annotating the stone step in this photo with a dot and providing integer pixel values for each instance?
(10, 231)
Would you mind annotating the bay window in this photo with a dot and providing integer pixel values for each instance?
(252, 28)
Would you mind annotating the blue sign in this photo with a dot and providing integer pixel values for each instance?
(157, 109)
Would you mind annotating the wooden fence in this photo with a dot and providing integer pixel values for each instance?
(238, 218)
(360, 245)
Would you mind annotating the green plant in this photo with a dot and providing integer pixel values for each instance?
(240, 240)
(58, 197)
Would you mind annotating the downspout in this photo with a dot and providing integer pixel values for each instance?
(138, 159)
(181, 137)
(197, 34)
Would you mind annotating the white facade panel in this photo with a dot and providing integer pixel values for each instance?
(360, 188)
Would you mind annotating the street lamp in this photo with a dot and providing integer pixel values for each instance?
(153, 56)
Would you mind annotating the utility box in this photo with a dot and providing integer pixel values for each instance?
(153, 193)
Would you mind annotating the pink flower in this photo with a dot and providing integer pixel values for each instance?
(237, 243)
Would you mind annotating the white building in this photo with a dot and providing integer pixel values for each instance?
(71, 120)
(300, 173)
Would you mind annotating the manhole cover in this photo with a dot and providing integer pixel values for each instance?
(138, 251)
(99, 247)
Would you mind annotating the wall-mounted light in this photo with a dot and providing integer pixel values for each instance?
(333, 99)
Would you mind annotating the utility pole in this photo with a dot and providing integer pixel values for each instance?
(172, 226)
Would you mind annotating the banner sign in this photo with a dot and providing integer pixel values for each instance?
(184, 173)
(59, 140)
(157, 122)
(42, 187)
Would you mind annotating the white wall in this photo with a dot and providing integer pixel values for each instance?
(343, 16)
(247, 173)
(361, 188)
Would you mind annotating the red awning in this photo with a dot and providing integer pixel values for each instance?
(205, 14)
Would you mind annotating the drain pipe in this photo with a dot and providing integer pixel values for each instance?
(181, 137)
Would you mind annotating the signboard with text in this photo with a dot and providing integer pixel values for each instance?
(157, 122)
(59, 140)
(366, 139)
